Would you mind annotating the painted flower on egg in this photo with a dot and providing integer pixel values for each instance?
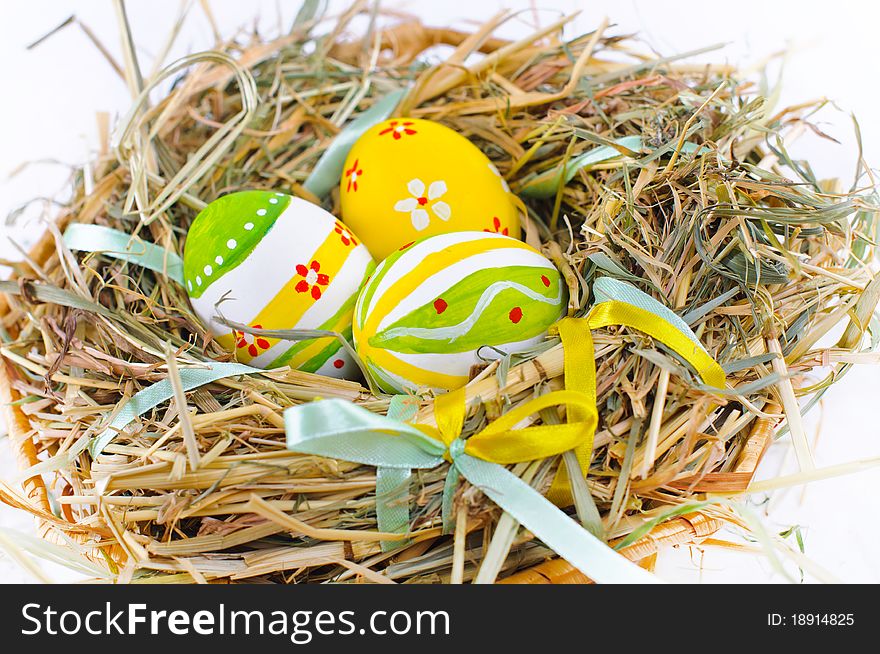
(275, 262)
(496, 227)
(345, 236)
(253, 344)
(399, 129)
(351, 175)
(407, 178)
(421, 206)
(312, 280)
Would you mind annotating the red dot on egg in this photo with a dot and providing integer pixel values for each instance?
(440, 305)
(338, 363)
(515, 315)
(545, 280)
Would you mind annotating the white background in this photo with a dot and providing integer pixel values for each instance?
(47, 115)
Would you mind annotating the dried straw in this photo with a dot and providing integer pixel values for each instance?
(709, 214)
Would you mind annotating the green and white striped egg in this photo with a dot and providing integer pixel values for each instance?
(272, 261)
(430, 307)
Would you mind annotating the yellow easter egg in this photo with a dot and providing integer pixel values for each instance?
(407, 178)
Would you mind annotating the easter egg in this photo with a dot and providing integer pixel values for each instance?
(272, 261)
(432, 306)
(406, 179)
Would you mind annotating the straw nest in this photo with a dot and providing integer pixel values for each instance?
(757, 255)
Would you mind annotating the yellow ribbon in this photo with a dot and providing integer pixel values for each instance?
(580, 366)
(579, 369)
(500, 442)
(614, 312)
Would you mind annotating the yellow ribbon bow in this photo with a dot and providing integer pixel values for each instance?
(500, 442)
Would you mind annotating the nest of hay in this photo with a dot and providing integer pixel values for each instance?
(708, 213)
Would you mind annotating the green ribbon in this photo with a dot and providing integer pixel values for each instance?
(546, 184)
(154, 395)
(139, 403)
(606, 289)
(121, 245)
(392, 484)
(342, 430)
(327, 172)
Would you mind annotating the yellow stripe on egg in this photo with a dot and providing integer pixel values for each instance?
(428, 266)
(421, 376)
(280, 309)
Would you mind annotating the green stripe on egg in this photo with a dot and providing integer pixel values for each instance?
(289, 265)
(423, 319)
(480, 304)
(212, 252)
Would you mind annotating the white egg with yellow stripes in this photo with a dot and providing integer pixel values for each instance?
(272, 261)
(430, 309)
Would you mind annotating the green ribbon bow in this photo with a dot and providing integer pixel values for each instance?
(342, 430)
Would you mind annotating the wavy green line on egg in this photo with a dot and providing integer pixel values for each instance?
(493, 324)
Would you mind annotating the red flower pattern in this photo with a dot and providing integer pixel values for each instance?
(353, 174)
(312, 279)
(345, 236)
(397, 129)
(496, 224)
(253, 348)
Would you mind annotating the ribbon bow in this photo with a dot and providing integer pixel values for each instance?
(342, 430)
(339, 429)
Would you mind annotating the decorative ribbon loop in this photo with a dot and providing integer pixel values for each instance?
(619, 303)
(579, 369)
(343, 430)
(121, 245)
(338, 429)
(501, 443)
